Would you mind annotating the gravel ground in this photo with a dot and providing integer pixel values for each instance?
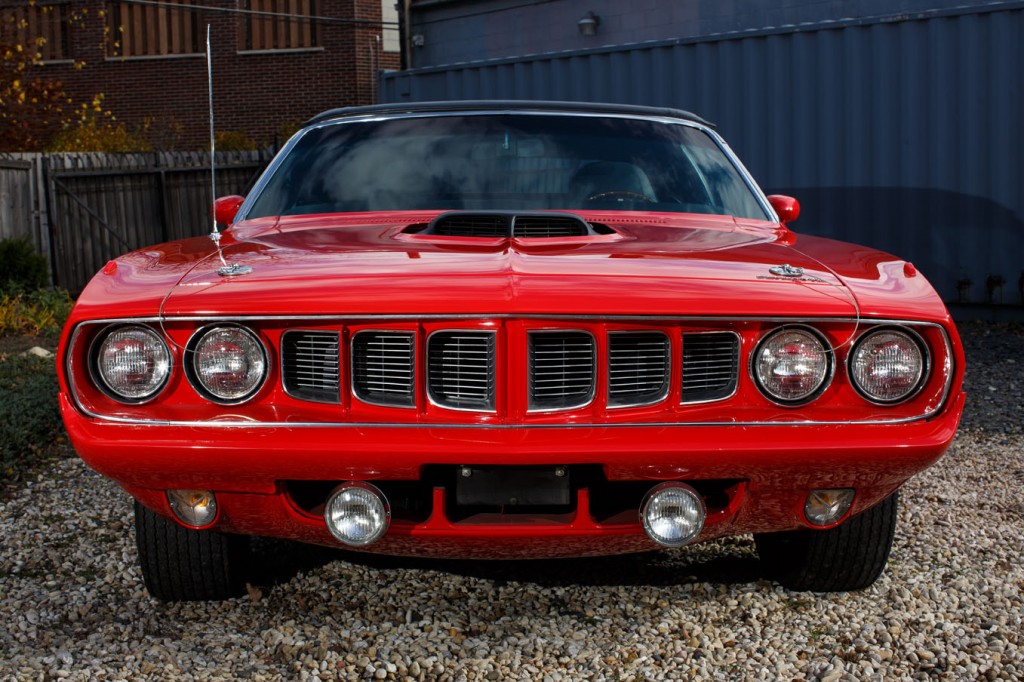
(948, 607)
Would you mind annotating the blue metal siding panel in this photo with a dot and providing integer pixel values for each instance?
(458, 32)
(904, 135)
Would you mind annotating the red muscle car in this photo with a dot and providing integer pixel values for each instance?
(509, 330)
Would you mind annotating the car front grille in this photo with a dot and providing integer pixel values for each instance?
(471, 368)
(710, 366)
(311, 365)
(384, 368)
(561, 369)
(461, 371)
(638, 368)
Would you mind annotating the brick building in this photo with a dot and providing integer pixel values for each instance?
(275, 62)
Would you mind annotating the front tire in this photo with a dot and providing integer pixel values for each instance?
(850, 556)
(179, 564)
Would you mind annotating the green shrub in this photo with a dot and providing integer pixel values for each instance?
(22, 267)
(95, 130)
(30, 425)
(42, 312)
(233, 141)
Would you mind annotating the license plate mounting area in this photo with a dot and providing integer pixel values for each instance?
(512, 486)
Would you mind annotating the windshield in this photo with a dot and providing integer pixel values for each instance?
(506, 162)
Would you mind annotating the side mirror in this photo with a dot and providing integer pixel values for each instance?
(788, 208)
(226, 208)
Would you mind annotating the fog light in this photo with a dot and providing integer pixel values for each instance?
(825, 506)
(195, 508)
(357, 514)
(673, 514)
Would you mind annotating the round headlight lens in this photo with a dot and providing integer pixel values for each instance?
(133, 363)
(887, 365)
(792, 365)
(229, 363)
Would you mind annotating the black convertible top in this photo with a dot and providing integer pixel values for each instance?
(505, 105)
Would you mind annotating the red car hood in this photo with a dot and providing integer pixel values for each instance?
(653, 264)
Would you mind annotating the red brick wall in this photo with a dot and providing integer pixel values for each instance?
(262, 95)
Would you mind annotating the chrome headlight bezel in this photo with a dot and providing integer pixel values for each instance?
(826, 380)
(193, 371)
(100, 380)
(919, 383)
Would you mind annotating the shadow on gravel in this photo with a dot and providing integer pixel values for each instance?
(624, 571)
(276, 562)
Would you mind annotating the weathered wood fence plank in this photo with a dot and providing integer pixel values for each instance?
(81, 210)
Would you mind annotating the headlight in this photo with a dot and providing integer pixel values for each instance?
(887, 365)
(792, 365)
(228, 364)
(132, 363)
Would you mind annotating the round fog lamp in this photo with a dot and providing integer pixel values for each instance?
(673, 514)
(196, 508)
(825, 506)
(357, 514)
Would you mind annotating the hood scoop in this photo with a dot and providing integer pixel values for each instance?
(504, 225)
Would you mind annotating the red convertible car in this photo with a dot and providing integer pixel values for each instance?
(509, 330)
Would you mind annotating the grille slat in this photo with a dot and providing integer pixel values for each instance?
(710, 366)
(472, 225)
(548, 226)
(638, 368)
(462, 369)
(561, 369)
(311, 365)
(383, 368)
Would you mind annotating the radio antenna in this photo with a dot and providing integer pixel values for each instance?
(213, 143)
(225, 270)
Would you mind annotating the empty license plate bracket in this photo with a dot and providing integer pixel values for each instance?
(512, 486)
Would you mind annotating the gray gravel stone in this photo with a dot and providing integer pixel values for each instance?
(949, 607)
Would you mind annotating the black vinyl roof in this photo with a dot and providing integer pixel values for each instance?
(505, 105)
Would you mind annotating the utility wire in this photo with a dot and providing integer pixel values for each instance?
(285, 15)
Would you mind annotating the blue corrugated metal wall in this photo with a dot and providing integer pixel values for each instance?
(902, 134)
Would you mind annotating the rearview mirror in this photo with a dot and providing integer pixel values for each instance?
(226, 208)
(787, 208)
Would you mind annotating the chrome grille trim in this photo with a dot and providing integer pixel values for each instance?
(311, 365)
(710, 366)
(384, 367)
(562, 369)
(231, 422)
(461, 369)
(639, 365)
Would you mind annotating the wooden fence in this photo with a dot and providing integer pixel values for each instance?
(81, 210)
